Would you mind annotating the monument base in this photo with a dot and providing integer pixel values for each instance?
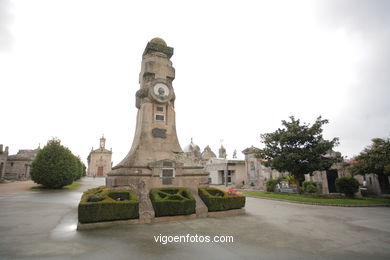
(143, 179)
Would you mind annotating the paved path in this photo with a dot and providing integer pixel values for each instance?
(16, 187)
(42, 225)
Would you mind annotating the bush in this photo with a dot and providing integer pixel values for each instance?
(94, 197)
(271, 184)
(218, 200)
(172, 201)
(309, 186)
(54, 166)
(102, 204)
(347, 185)
(80, 169)
(291, 179)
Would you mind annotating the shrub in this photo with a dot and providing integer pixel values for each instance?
(347, 185)
(309, 186)
(94, 197)
(291, 179)
(271, 184)
(119, 195)
(80, 169)
(218, 200)
(102, 204)
(172, 201)
(54, 165)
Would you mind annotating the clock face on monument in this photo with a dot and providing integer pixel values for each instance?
(161, 91)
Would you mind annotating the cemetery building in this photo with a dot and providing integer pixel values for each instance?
(224, 170)
(99, 160)
(256, 173)
(326, 180)
(17, 166)
(217, 167)
(375, 184)
(3, 160)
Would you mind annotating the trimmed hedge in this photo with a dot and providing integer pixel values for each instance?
(102, 204)
(172, 201)
(218, 200)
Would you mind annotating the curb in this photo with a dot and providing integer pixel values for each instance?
(321, 204)
(106, 224)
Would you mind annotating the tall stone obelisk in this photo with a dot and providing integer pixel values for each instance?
(156, 158)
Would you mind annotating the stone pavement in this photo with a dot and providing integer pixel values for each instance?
(42, 225)
(16, 187)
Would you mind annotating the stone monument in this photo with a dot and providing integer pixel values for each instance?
(156, 159)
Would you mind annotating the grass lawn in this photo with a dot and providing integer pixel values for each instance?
(72, 186)
(312, 199)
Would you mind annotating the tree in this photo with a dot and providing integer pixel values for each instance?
(54, 166)
(374, 159)
(298, 148)
(80, 168)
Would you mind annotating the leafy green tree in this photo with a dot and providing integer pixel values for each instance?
(80, 168)
(374, 159)
(298, 148)
(54, 166)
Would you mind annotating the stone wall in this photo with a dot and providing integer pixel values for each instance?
(18, 166)
(18, 169)
(3, 160)
(256, 173)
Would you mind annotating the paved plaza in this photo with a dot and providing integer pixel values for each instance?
(42, 225)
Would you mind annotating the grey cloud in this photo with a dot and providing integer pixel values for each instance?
(367, 114)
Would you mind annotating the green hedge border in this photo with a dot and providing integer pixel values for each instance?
(107, 209)
(172, 201)
(220, 203)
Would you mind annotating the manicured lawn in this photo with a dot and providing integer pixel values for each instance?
(312, 199)
(72, 186)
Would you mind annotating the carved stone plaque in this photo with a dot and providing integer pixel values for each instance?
(167, 181)
(159, 132)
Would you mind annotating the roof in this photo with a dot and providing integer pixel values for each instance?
(24, 155)
(101, 151)
(251, 149)
(191, 148)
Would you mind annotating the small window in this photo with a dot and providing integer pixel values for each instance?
(12, 164)
(160, 109)
(167, 175)
(159, 117)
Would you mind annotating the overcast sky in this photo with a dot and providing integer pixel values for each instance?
(69, 69)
